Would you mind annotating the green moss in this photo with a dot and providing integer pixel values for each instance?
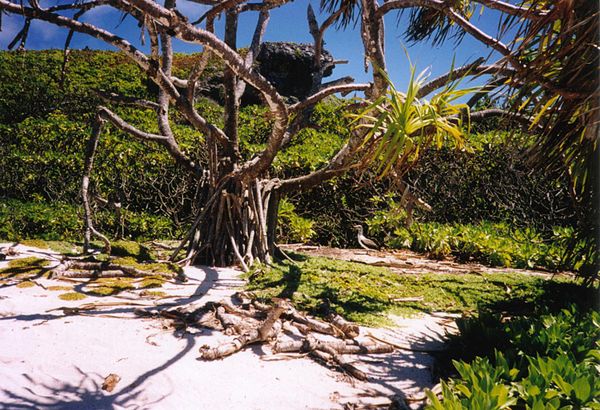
(153, 294)
(132, 249)
(110, 286)
(152, 282)
(366, 294)
(103, 291)
(24, 268)
(26, 284)
(56, 288)
(72, 296)
(152, 267)
(29, 262)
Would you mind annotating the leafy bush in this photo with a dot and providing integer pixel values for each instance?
(292, 227)
(546, 362)
(495, 244)
(60, 221)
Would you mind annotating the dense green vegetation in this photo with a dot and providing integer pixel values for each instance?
(494, 244)
(549, 361)
(488, 204)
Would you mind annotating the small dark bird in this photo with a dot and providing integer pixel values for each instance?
(363, 241)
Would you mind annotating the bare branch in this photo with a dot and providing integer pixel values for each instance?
(124, 126)
(253, 50)
(315, 98)
(513, 10)
(473, 69)
(476, 32)
(482, 115)
(90, 152)
(218, 9)
(128, 101)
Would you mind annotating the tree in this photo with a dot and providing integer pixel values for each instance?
(239, 210)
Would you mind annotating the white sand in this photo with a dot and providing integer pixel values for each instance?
(49, 360)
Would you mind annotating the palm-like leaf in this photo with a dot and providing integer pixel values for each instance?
(399, 125)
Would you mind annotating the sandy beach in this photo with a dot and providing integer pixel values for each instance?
(51, 359)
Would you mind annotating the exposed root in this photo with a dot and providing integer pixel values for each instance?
(71, 268)
(266, 330)
(254, 322)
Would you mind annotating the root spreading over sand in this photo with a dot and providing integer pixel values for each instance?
(104, 352)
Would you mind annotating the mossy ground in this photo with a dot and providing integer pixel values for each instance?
(138, 251)
(130, 253)
(153, 294)
(62, 247)
(25, 284)
(366, 294)
(72, 296)
(59, 288)
(151, 267)
(25, 268)
(109, 286)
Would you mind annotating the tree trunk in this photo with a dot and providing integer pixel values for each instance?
(232, 228)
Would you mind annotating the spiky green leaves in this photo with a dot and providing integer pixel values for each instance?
(399, 126)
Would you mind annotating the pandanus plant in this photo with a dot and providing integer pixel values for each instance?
(400, 125)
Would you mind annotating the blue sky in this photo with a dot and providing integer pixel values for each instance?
(288, 23)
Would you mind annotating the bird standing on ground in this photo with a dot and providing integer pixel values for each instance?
(363, 241)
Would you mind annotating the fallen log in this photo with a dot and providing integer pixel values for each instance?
(312, 324)
(80, 269)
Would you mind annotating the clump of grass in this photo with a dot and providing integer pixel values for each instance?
(57, 288)
(103, 291)
(366, 294)
(29, 262)
(72, 296)
(153, 294)
(25, 284)
(132, 249)
(152, 282)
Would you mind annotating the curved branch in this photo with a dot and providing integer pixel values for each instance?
(168, 142)
(497, 112)
(124, 126)
(127, 101)
(179, 27)
(315, 98)
(339, 164)
(90, 152)
(476, 32)
(514, 10)
(218, 9)
(447, 9)
(473, 69)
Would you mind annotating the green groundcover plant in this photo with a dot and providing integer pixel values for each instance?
(551, 361)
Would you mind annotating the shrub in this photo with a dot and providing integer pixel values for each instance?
(494, 244)
(547, 362)
(293, 227)
(60, 221)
